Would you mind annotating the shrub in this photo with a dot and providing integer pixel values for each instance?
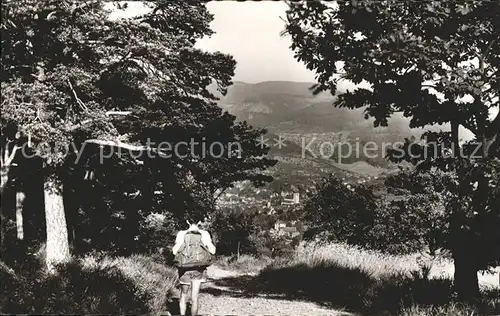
(409, 225)
(410, 222)
(273, 243)
(90, 285)
(72, 290)
(156, 233)
(153, 280)
(340, 212)
(234, 228)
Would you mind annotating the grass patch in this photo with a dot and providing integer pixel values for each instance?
(152, 279)
(245, 264)
(451, 309)
(367, 282)
(373, 282)
(87, 285)
(372, 262)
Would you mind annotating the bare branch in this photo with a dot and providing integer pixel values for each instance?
(9, 156)
(38, 115)
(108, 113)
(86, 122)
(483, 57)
(5, 153)
(428, 86)
(50, 15)
(78, 101)
(117, 144)
(220, 193)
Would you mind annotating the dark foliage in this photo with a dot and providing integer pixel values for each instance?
(73, 290)
(340, 212)
(233, 229)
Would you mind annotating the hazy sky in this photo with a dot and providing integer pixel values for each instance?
(250, 32)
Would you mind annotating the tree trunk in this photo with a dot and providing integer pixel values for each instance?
(4, 178)
(57, 250)
(4, 174)
(34, 228)
(466, 280)
(238, 252)
(3, 233)
(20, 197)
(454, 138)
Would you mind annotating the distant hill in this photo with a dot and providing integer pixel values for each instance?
(290, 110)
(283, 106)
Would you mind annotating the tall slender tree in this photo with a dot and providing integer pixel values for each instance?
(68, 68)
(436, 62)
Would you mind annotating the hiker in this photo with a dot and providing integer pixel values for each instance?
(193, 251)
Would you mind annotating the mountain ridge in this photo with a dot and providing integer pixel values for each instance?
(290, 108)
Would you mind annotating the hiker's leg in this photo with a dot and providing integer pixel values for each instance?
(183, 298)
(195, 291)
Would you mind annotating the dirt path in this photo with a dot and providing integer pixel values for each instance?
(227, 302)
